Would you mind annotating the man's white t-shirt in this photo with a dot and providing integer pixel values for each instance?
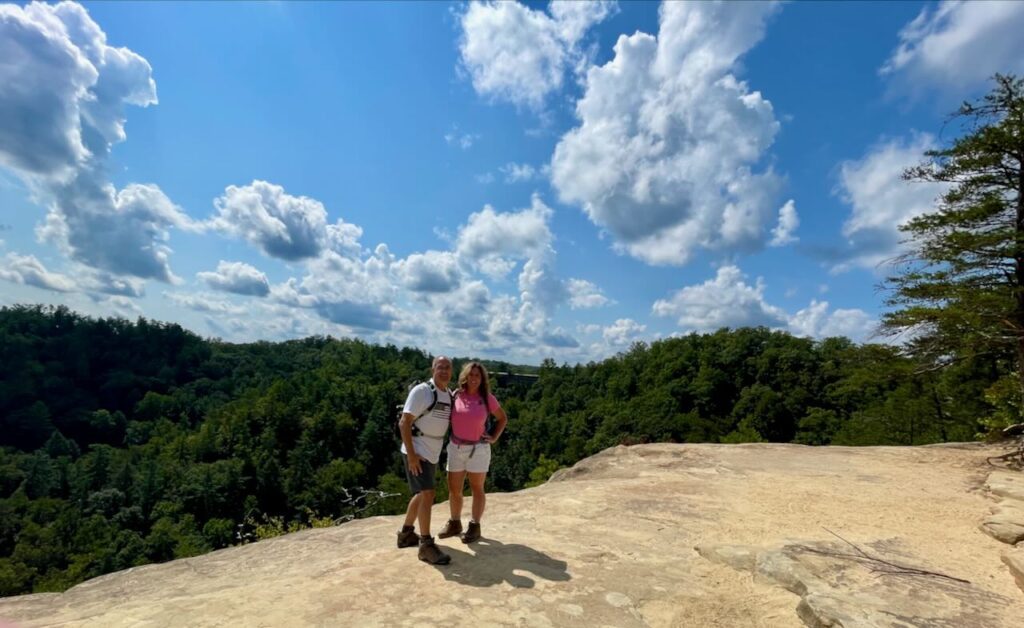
(433, 425)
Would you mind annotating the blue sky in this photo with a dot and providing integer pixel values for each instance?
(514, 181)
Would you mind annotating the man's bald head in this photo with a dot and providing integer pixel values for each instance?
(442, 368)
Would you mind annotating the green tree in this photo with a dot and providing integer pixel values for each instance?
(959, 291)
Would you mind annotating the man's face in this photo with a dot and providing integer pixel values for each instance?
(442, 372)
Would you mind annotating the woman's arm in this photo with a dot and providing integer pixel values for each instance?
(499, 425)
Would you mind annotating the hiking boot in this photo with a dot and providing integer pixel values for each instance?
(472, 533)
(429, 553)
(452, 528)
(407, 537)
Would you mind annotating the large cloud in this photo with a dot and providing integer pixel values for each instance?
(729, 300)
(958, 45)
(206, 303)
(817, 321)
(880, 200)
(122, 232)
(237, 277)
(725, 301)
(63, 91)
(665, 154)
(515, 234)
(585, 294)
(492, 241)
(26, 269)
(433, 271)
(782, 234)
(281, 225)
(623, 332)
(356, 293)
(521, 55)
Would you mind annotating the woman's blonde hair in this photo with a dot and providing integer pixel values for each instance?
(485, 386)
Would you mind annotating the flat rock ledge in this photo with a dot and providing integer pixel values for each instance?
(1006, 523)
(1014, 559)
(841, 587)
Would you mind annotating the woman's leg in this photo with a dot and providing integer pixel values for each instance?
(476, 483)
(456, 482)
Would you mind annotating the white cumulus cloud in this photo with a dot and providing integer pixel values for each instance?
(782, 234)
(433, 271)
(880, 200)
(237, 277)
(492, 241)
(958, 45)
(27, 270)
(623, 332)
(516, 173)
(729, 300)
(725, 301)
(281, 225)
(356, 293)
(666, 153)
(585, 294)
(63, 92)
(203, 302)
(123, 232)
(816, 321)
(521, 55)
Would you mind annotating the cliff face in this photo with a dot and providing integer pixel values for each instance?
(659, 535)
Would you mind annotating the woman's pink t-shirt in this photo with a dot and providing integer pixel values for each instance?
(469, 415)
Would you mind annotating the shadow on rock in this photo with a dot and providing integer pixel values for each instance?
(493, 562)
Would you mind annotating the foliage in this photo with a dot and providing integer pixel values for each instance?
(959, 292)
(128, 443)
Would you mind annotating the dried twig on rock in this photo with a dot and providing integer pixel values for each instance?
(1014, 459)
(878, 565)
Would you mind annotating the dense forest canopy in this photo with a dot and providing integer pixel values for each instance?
(124, 443)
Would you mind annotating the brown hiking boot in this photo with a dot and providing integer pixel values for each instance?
(452, 528)
(407, 537)
(429, 553)
(472, 533)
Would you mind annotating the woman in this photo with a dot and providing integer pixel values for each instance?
(469, 447)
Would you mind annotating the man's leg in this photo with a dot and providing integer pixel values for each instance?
(413, 511)
(426, 503)
(407, 535)
(429, 552)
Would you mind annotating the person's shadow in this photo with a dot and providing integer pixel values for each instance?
(493, 562)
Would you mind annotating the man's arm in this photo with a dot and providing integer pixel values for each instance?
(405, 427)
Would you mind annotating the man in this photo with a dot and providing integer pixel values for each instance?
(425, 420)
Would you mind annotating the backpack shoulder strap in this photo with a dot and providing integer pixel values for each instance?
(433, 391)
(433, 402)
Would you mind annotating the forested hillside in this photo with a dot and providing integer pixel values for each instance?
(123, 443)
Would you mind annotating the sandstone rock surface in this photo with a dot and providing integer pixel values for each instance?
(1014, 559)
(610, 542)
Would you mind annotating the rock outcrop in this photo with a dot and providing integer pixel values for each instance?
(1006, 522)
(612, 541)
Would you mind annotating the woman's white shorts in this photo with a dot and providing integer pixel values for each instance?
(471, 458)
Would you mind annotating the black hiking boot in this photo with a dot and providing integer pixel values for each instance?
(472, 533)
(429, 553)
(452, 528)
(407, 537)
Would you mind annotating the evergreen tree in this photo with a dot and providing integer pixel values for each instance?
(959, 291)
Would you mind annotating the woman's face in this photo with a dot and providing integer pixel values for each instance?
(473, 379)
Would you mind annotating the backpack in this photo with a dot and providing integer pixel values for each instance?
(400, 407)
